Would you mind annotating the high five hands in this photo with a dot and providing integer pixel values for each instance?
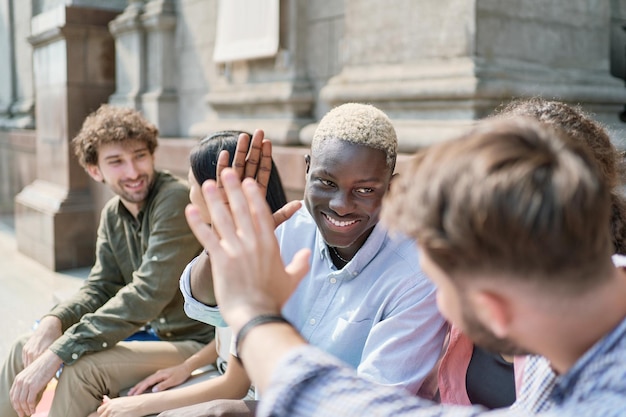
(249, 276)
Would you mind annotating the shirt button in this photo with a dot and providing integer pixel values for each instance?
(155, 258)
(168, 334)
(162, 320)
(333, 280)
(74, 356)
(354, 274)
(104, 344)
(312, 322)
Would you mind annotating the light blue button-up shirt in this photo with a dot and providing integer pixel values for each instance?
(378, 313)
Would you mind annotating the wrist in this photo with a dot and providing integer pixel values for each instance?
(254, 322)
(50, 325)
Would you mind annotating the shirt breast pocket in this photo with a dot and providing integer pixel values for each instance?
(348, 339)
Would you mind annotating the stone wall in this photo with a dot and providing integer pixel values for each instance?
(435, 66)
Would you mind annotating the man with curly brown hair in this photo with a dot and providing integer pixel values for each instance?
(143, 244)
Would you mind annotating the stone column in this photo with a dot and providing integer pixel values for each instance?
(273, 93)
(16, 71)
(74, 73)
(130, 68)
(160, 101)
(6, 59)
(23, 106)
(434, 66)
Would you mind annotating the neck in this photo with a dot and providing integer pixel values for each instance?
(338, 258)
(133, 208)
(571, 329)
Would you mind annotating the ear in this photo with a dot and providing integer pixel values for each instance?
(391, 181)
(307, 161)
(94, 172)
(493, 310)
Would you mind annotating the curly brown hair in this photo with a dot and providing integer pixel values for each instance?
(110, 124)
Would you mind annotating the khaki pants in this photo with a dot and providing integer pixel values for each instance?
(81, 385)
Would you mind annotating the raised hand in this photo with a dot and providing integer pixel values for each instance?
(248, 273)
(253, 159)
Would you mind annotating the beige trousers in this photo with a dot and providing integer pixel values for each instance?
(81, 386)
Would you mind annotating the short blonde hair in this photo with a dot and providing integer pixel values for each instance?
(362, 124)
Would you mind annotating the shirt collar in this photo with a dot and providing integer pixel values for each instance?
(374, 243)
(604, 346)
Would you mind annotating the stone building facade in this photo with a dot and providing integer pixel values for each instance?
(197, 66)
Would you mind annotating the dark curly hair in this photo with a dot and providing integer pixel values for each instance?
(593, 136)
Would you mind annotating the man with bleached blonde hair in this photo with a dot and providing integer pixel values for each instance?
(365, 299)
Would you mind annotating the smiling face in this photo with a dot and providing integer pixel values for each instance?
(345, 185)
(128, 170)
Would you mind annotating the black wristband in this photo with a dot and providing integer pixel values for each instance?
(254, 322)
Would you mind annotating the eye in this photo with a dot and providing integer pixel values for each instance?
(114, 162)
(141, 155)
(364, 190)
(326, 183)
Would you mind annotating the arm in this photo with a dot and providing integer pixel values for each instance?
(201, 281)
(253, 241)
(234, 384)
(176, 375)
(165, 246)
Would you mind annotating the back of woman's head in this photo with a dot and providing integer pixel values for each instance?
(581, 127)
(203, 162)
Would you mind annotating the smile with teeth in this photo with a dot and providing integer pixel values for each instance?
(338, 223)
(134, 184)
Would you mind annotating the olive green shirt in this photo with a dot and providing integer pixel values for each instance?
(134, 280)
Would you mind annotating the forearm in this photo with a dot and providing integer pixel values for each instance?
(264, 347)
(208, 390)
(202, 281)
(205, 356)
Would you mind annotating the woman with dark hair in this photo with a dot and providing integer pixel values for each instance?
(204, 160)
(229, 380)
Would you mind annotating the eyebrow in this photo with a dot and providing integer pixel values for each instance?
(134, 151)
(361, 181)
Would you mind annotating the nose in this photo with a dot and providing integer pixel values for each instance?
(341, 203)
(131, 170)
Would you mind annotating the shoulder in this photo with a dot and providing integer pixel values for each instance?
(167, 184)
(110, 210)
(169, 191)
(402, 253)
